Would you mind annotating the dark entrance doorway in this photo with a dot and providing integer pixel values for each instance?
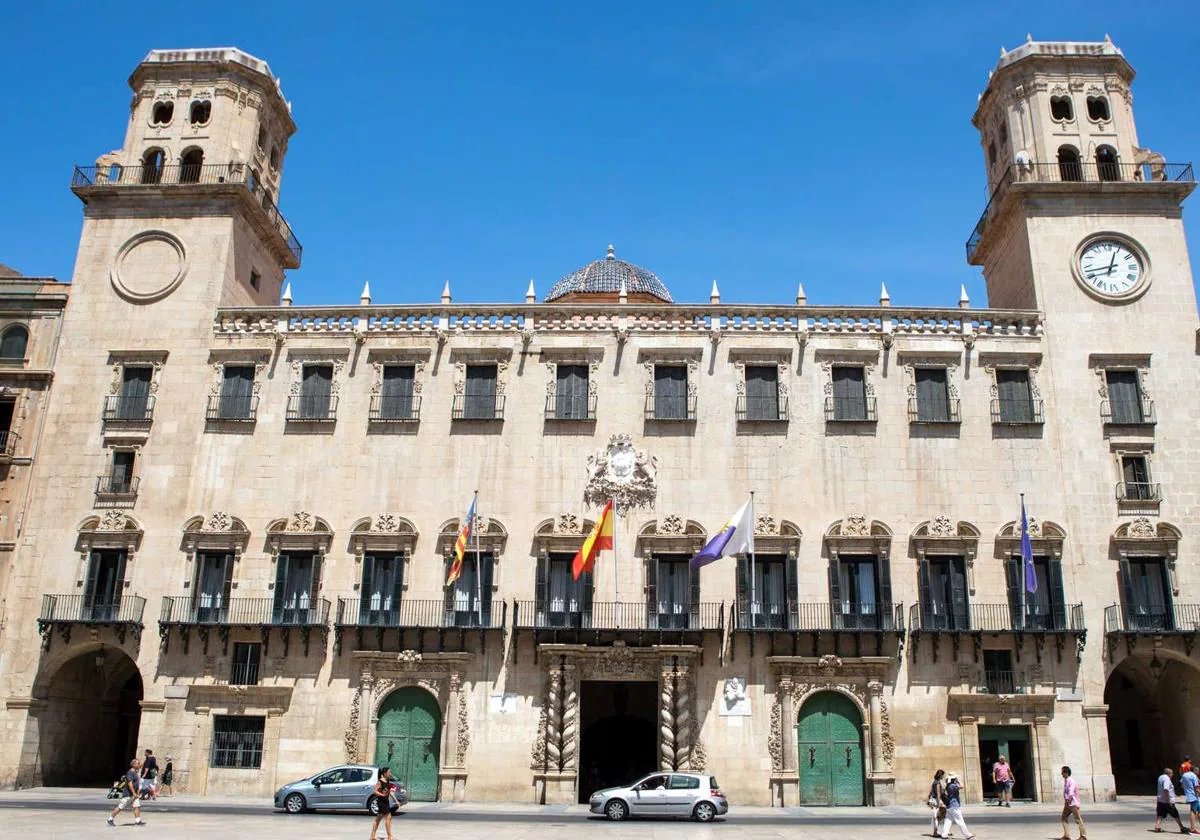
(88, 730)
(1012, 742)
(618, 734)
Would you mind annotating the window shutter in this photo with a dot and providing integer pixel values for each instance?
(1058, 603)
(958, 594)
(589, 593)
(931, 394)
(314, 589)
(742, 592)
(835, 591)
(762, 392)
(448, 620)
(1012, 576)
(1123, 396)
(850, 401)
(485, 587)
(926, 595)
(793, 591)
(281, 579)
(652, 592)
(227, 587)
(541, 600)
(694, 606)
(136, 384)
(399, 584)
(93, 577)
(886, 607)
(368, 585)
(396, 391)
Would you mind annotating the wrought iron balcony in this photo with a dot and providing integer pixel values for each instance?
(842, 616)
(123, 613)
(309, 409)
(1079, 172)
(117, 487)
(1139, 492)
(429, 613)
(186, 613)
(998, 618)
(227, 409)
(762, 409)
(1001, 682)
(394, 409)
(128, 411)
(8, 445)
(671, 409)
(1140, 413)
(850, 411)
(1018, 412)
(89, 179)
(619, 616)
(1153, 619)
(936, 414)
(571, 410)
(478, 408)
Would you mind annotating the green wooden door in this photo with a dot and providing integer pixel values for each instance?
(829, 736)
(407, 740)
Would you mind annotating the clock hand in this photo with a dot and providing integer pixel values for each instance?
(1112, 263)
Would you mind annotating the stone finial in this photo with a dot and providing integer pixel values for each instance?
(715, 295)
(286, 298)
(884, 298)
(1029, 37)
(801, 298)
(446, 292)
(530, 294)
(611, 253)
(964, 302)
(1003, 52)
(623, 295)
(365, 298)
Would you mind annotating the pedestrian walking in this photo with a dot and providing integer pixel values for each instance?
(954, 809)
(1071, 805)
(131, 795)
(1190, 782)
(149, 776)
(168, 778)
(1002, 779)
(1165, 806)
(385, 801)
(937, 801)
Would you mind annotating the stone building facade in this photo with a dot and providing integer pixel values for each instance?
(237, 550)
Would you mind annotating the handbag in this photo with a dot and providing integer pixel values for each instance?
(392, 805)
(932, 801)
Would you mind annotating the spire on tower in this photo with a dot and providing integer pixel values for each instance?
(530, 294)
(715, 295)
(286, 298)
(365, 298)
(446, 292)
(884, 298)
(801, 298)
(964, 302)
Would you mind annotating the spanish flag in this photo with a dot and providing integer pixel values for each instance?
(460, 544)
(600, 539)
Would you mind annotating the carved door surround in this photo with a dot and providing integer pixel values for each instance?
(863, 680)
(1034, 710)
(554, 757)
(442, 675)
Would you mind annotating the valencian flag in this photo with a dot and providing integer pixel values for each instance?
(600, 539)
(460, 544)
(736, 537)
(1031, 582)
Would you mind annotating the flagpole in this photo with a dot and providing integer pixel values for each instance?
(616, 573)
(1023, 570)
(478, 562)
(753, 583)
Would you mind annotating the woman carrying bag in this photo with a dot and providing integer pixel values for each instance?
(937, 795)
(386, 803)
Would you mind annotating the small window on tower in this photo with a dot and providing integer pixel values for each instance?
(274, 158)
(1060, 108)
(163, 112)
(1098, 109)
(191, 166)
(201, 111)
(991, 154)
(1003, 135)
(255, 280)
(1069, 166)
(262, 138)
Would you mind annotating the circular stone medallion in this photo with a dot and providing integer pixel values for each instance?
(149, 266)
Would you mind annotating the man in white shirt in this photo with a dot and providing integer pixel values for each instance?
(1165, 806)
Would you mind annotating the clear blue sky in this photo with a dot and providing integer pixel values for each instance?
(485, 143)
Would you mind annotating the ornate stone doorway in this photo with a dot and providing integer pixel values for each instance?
(618, 733)
(408, 740)
(829, 734)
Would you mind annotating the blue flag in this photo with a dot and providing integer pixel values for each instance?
(1031, 582)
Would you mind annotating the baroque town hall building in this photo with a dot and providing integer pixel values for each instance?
(236, 538)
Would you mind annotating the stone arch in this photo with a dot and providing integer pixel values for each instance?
(804, 693)
(384, 532)
(1046, 536)
(670, 534)
(824, 728)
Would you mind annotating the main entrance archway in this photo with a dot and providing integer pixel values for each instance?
(829, 751)
(408, 740)
(619, 737)
(88, 730)
(1153, 718)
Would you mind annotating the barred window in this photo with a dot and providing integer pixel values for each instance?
(238, 742)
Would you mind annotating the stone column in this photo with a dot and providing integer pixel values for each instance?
(554, 719)
(570, 717)
(683, 718)
(1104, 783)
(968, 732)
(666, 719)
(1043, 757)
(875, 688)
(366, 716)
(450, 748)
(787, 725)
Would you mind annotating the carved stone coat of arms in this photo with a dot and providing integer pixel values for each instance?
(623, 474)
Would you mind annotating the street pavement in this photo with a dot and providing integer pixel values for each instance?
(79, 814)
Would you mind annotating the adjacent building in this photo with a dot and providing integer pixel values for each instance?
(239, 538)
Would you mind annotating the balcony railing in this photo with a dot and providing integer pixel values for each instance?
(818, 616)
(1076, 172)
(244, 673)
(1000, 682)
(306, 409)
(940, 413)
(80, 609)
(148, 176)
(483, 408)
(394, 409)
(998, 618)
(614, 616)
(671, 409)
(1140, 413)
(577, 410)
(131, 411)
(416, 613)
(762, 409)
(1138, 491)
(1177, 618)
(1018, 412)
(850, 411)
(8, 444)
(117, 486)
(226, 409)
(187, 611)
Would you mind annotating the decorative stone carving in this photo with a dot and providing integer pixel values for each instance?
(617, 661)
(666, 723)
(765, 526)
(567, 523)
(671, 524)
(537, 755)
(735, 702)
(888, 743)
(829, 663)
(300, 522)
(775, 736)
(218, 374)
(620, 473)
(464, 723)
(113, 520)
(1141, 528)
(409, 660)
(941, 526)
(336, 362)
(570, 717)
(350, 742)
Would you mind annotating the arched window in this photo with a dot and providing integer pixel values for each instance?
(12, 345)
(1098, 109)
(191, 165)
(1060, 108)
(152, 166)
(200, 112)
(162, 113)
(1069, 167)
(274, 158)
(1106, 164)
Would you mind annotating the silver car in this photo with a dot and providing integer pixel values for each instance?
(663, 795)
(348, 787)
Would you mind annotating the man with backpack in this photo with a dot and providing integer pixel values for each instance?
(131, 795)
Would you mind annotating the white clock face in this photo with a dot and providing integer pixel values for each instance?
(1110, 267)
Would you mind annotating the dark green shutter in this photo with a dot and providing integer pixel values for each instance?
(694, 606)
(958, 593)
(485, 587)
(1058, 605)
(589, 593)
(886, 607)
(926, 595)
(368, 583)
(396, 391)
(792, 593)
(742, 592)
(932, 399)
(835, 591)
(1012, 576)
(282, 562)
(448, 605)
(652, 591)
(542, 593)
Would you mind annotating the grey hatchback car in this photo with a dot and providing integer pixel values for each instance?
(348, 787)
(663, 795)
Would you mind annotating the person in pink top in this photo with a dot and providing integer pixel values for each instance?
(1002, 779)
(1071, 805)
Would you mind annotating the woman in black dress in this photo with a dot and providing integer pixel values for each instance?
(383, 798)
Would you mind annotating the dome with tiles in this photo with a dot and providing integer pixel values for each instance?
(602, 279)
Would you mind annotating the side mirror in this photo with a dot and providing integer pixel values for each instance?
(316, 783)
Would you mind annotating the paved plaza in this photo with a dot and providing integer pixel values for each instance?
(79, 814)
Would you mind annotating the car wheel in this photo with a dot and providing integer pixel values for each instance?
(704, 812)
(616, 810)
(373, 805)
(294, 804)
